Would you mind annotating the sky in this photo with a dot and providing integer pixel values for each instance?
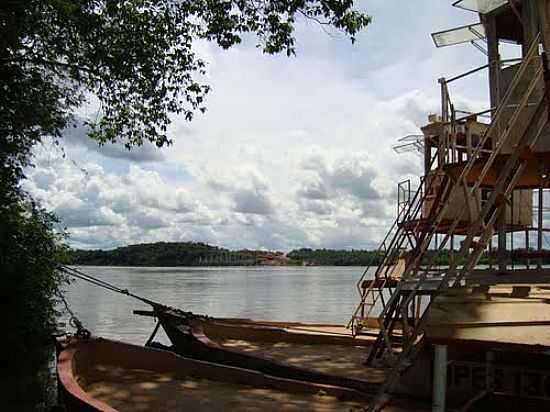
(291, 152)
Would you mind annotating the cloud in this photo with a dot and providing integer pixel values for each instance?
(77, 136)
(344, 183)
(76, 213)
(147, 220)
(252, 201)
(291, 152)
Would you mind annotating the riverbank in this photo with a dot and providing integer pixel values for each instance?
(176, 254)
(191, 254)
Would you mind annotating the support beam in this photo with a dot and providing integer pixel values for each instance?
(493, 60)
(490, 371)
(540, 224)
(501, 224)
(530, 21)
(440, 378)
(527, 248)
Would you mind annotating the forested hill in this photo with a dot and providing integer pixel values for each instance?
(334, 257)
(165, 254)
(201, 254)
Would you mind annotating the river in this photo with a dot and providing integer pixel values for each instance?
(305, 294)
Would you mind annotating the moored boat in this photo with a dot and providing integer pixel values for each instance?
(98, 374)
(319, 353)
(104, 375)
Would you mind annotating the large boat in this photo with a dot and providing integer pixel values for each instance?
(103, 375)
(321, 353)
(462, 273)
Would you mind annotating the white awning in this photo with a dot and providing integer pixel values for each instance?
(463, 34)
(480, 6)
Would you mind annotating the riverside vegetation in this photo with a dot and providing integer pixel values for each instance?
(201, 254)
(171, 254)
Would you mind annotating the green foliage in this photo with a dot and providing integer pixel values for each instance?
(200, 254)
(135, 58)
(30, 250)
(167, 254)
(331, 257)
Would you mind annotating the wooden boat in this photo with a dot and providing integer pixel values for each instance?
(104, 375)
(319, 353)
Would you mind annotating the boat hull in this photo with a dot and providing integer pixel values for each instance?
(96, 375)
(202, 338)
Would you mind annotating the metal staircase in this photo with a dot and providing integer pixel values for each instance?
(420, 266)
(398, 240)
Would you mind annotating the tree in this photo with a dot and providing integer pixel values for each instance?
(134, 61)
(132, 58)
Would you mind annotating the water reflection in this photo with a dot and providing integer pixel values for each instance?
(306, 294)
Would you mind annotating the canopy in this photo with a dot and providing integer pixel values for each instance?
(458, 35)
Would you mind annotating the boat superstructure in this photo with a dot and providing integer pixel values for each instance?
(481, 199)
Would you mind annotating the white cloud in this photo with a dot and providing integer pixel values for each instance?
(77, 136)
(291, 152)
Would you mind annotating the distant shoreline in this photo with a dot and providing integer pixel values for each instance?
(193, 254)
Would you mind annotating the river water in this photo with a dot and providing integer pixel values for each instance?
(305, 294)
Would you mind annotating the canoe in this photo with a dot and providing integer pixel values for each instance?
(103, 375)
(318, 353)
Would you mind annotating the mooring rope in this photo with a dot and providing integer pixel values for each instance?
(78, 274)
(81, 331)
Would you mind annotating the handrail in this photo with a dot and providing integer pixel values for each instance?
(485, 66)
(445, 89)
(475, 114)
(456, 271)
(498, 113)
(472, 71)
(414, 206)
(466, 169)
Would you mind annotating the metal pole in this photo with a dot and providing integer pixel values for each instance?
(540, 223)
(527, 248)
(442, 149)
(440, 378)
(490, 371)
(502, 239)
(491, 253)
(512, 228)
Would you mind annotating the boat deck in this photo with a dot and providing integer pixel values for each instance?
(136, 390)
(362, 340)
(340, 360)
(143, 390)
(511, 317)
(304, 328)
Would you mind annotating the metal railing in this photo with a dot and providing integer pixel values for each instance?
(482, 227)
(451, 117)
(390, 248)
